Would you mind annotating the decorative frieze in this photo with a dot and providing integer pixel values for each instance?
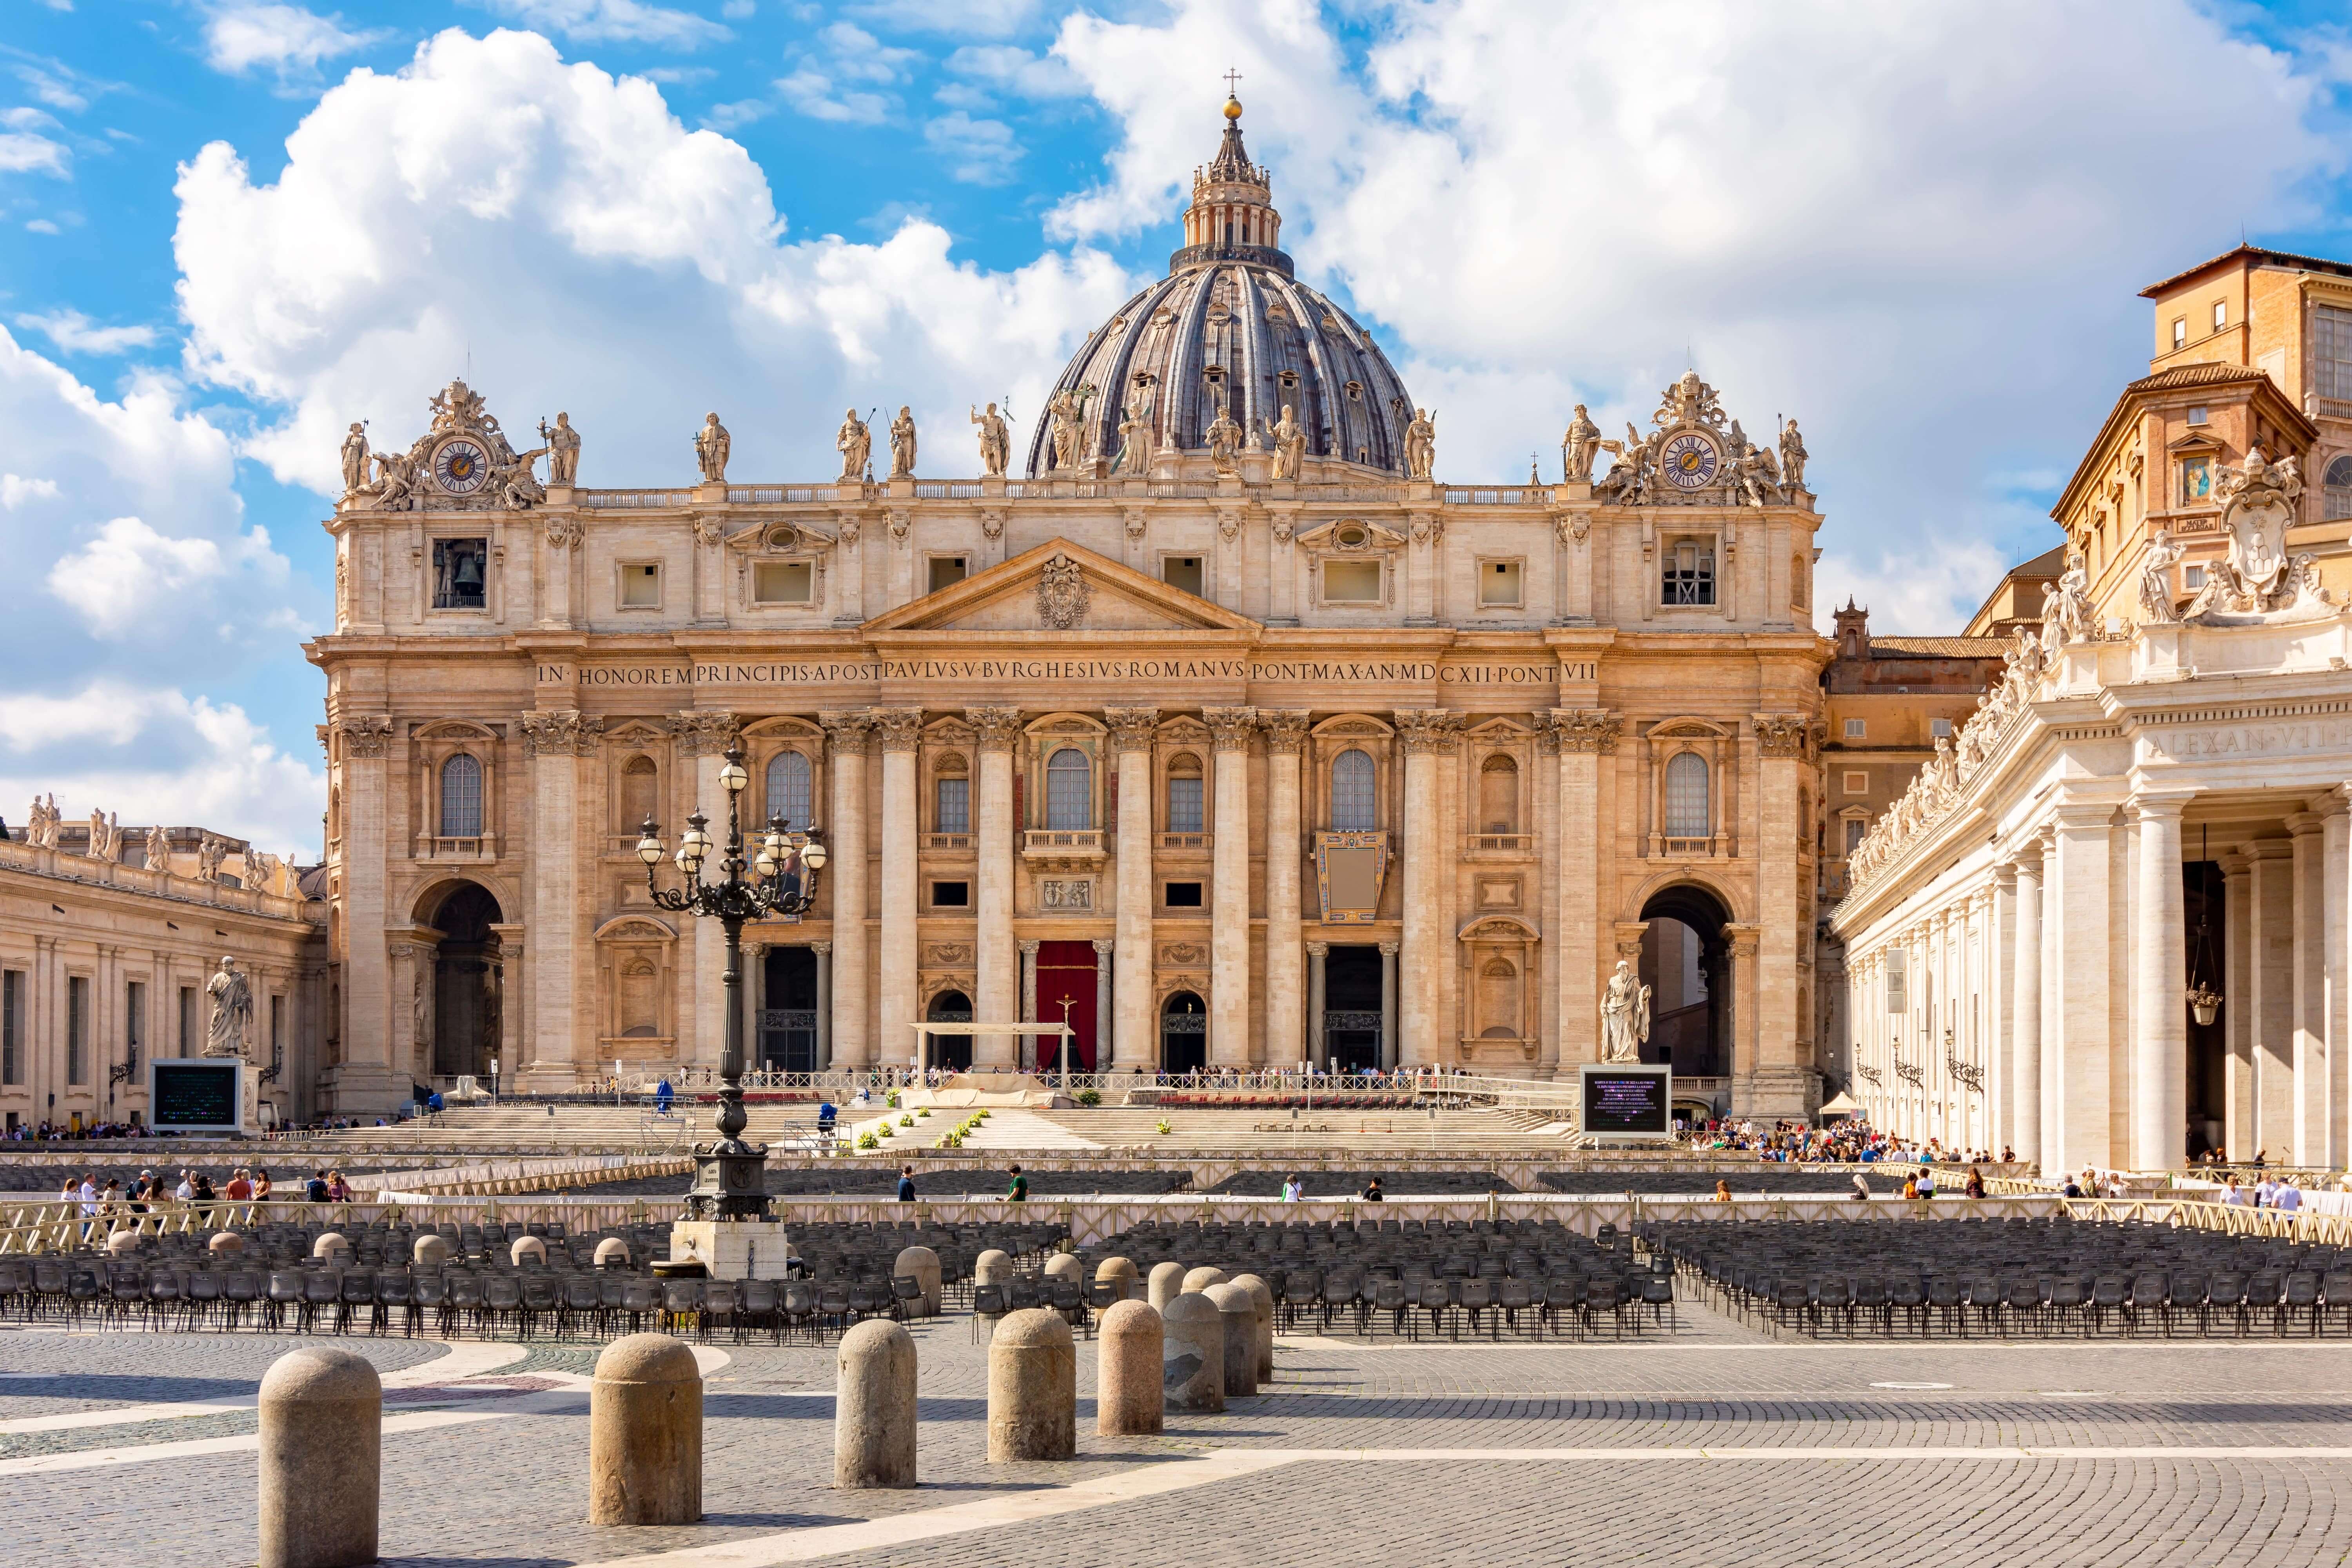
(1432, 730)
(901, 729)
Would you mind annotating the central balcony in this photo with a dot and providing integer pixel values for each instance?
(1070, 847)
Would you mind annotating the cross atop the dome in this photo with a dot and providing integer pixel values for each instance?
(1231, 77)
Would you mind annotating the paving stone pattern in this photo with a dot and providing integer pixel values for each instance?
(509, 1490)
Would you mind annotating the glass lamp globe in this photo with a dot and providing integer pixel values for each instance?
(814, 856)
(734, 777)
(649, 848)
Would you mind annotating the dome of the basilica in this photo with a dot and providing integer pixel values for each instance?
(1231, 329)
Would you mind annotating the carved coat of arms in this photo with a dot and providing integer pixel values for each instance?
(1062, 593)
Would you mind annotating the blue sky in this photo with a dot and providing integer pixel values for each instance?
(228, 228)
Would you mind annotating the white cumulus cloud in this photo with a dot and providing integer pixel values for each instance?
(77, 333)
(24, 152)
(241, 34)
(127, 573)
(616, 21)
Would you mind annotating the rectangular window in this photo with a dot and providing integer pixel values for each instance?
(2198, 415)
(1498, 584)
(783, 582)
(641, 586)
(12, 1027)
(2221, 314)
(1690, 572)
(952, 812)
(2331, 351)
(1854, 828)
(1184, 896)
(1351, 582)
(1184, 805)
(947, 570)
(460, 574)
(1938, 729)
(134, 1018)
(2195, 480)
(187, 1020)
(77, 1029)
(950, 895)
(1182, 571)
(2192, 576)
(2179, 330)
(1896, 1001)
(1857, 728)
(1857, 781)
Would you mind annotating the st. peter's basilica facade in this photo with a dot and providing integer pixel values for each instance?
(1227, 732)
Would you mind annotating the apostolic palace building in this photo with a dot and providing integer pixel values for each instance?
(1220, 728)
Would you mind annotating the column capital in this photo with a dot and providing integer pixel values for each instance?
(1629, 934)
(1388, 949)
(1029, 948)
(365, 735)
(1131, 728)
(1104, 946)
(1789, 735)
(2154, 805)
(1229, 728)
(1427, 730)
(1319, 949)
(2303, 823)
(704, 732)
(901, 729)
(1587, 730)
(998, 728)
(1285, 729)
(1743, 938)
(560, 732)
(848, 731)
(821, 947)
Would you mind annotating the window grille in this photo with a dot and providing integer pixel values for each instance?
(1068, 790)
(1352, 808)
(788, 789)
(952, 801)
(1184, 805)
(1686, 797)
(1690, 572)
(461, 797)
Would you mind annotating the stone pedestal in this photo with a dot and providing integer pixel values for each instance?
(733, 1249)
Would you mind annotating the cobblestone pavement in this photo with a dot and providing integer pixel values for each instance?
(1707, 1446)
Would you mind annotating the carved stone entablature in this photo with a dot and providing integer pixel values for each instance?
(560, 732)
(463, 462)
(1694, 456)
(704, 733)
(1428, 730)
(1229, 728)
(1587, 730)
(1132, 727)
(1062, 593)
(995, 727)
(365, 735)
(1783, 734)
(1285, 729)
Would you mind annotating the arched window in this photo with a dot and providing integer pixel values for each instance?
(640, 999)
(788, 788)
(1069, 793)
(2339, 488)
(1498, 999)
(1184, 805)
(1686, 797)
(461, 797)
(640, 793)
(1499, 796)
(1352, 792)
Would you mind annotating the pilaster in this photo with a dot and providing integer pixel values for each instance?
(997, 729)
(853, 1042)
(1286, 738)
(1229, 922)
(901, 733)
(1134, 1045)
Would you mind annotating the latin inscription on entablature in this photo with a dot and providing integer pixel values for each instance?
(2295, 738)
(1114, 675)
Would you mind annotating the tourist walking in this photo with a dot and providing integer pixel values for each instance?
(906, 1184)
(1372, 1194)
(1018, 1193)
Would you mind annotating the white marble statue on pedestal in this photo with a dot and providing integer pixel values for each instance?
(1625, 1015)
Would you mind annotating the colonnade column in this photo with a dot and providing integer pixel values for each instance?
(1029, 991)
(1229, 921)
(2311, 1145)
(998, 728)
(2160, 1037)
(1389, 1042)
(2078, 1029)
(2240, 1084)
(1585, 735)
(1317, 1050)
(555, 739)
(2336, 887)
(1134, 1047)
(363, 1075)
(1421, 733)
(513, 1029)
(1288, 1031)
(851, 1038)
(823, 1053)
(2025, 1018)
(901, 731)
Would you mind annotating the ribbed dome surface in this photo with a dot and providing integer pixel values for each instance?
(1230, 323)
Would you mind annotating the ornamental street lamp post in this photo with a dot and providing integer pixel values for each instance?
(728, 1183)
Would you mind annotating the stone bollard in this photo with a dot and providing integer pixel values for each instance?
(1118, 1271)
(874, 1411)
(321, 1460)
(431, 1251)
(991, 1267)
(1128, 1401)
(1193, 1354)
(645, 1434)
(1239, 1315)
(1201, 1278)
(528, 1247)
(122, 1243)
(331, 1242)
(611, 1253)
(1262, 1300)
(224, 1242)
(1062, 1266)
(921, 1264)
(1033, 1388)
(1167, 1283)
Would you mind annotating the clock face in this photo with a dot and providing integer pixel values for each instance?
(461, 465)
(1689, 461)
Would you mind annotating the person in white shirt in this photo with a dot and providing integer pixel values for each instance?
(89, 1195)
(2232, 1194)
(187, 1190)
(2265, 1193)
(2287, 1197)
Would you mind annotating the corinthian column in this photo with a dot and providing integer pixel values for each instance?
(2160, 1035)
(1585, 735)
(1285, 737)
(853, 1034)
(999, 956)
(1422, 733)
(363, 1079)
(561, 1008)
(2025, 1018)
(901, 731)
(1229, 928)
(1134, 1044)
(702, 741)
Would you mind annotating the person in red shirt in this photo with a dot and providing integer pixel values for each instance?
(239, 1190)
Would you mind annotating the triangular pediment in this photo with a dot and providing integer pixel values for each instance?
(1060, 587)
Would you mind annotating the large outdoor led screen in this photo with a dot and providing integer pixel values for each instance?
(1628, 1102)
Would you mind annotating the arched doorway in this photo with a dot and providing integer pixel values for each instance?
(1183, 1032)
(949, 1053)
(1686, 961)
(469, 982)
